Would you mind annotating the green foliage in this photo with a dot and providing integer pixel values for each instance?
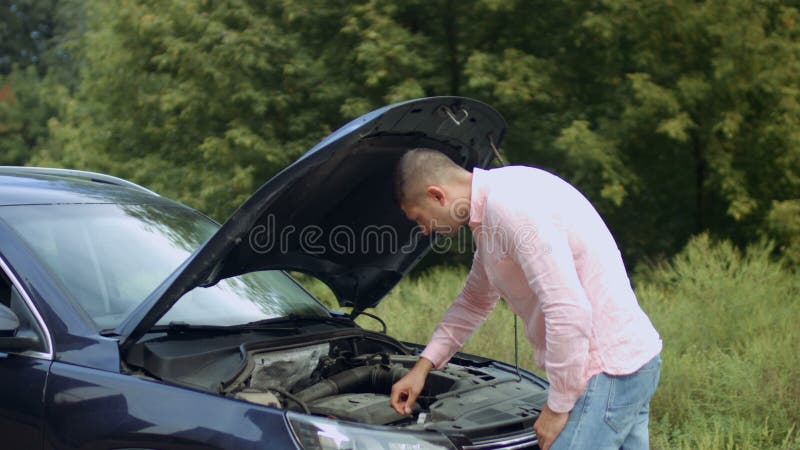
(728, 322)
(596, 158)
(196, 100)
(24, 112)
(38, 60)
(674, 117)
(783, 221)
(26, 27)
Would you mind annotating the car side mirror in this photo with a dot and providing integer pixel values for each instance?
(9, 322)
(9, 325)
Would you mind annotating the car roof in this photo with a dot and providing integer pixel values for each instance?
(38, 186)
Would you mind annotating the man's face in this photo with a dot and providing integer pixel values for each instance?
(432, 214)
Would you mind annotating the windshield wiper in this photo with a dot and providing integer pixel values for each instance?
(299, 320)
(272, 325)
(259, 325)
(183, 327)
(179, 327)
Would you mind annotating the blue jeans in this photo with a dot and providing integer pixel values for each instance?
(613, 413)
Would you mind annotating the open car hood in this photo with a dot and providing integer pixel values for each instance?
(331, 213)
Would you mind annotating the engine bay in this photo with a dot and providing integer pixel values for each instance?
(346, 375)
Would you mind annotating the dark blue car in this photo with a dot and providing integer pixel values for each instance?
(130, 321)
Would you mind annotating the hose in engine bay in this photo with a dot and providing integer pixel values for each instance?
(380, 377)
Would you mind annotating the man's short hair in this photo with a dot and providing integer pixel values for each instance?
(419, 168)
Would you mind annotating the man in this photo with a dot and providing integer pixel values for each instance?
(542, 246)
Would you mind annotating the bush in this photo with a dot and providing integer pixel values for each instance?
(728, 321)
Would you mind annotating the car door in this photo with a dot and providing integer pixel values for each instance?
(23, 373)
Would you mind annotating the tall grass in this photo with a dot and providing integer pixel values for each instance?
(729, 321)
(731, 373)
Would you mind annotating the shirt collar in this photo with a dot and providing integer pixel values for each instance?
(478, 196)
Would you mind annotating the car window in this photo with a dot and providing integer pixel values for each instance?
(28, 326)
(109, 257)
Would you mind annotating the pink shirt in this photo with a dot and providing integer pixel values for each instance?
(544, 248)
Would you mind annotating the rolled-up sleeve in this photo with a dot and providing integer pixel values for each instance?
(469, 309)
(543, 253)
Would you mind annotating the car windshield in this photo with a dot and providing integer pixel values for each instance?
(109, 257)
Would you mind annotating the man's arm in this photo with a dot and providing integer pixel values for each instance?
(470, 308)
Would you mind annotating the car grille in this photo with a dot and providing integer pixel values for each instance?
(527, 440)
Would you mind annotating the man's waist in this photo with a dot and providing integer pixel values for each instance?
(614, 359)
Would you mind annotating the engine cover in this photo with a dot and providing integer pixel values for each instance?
(364, 407)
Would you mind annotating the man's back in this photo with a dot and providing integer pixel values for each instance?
(542, 213)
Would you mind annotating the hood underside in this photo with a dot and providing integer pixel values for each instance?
(331, 213)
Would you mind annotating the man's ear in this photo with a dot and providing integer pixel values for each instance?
(436, 193)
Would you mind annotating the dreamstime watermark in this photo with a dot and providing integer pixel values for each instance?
(269, 237)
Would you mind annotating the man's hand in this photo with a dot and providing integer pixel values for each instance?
(548, 426)
(407, 389)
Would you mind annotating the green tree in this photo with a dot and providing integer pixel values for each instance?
(674, 116)
(23, 115)
(194, 99)
(38, 62)
(26, 27)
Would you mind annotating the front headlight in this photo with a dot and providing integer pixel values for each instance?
(317, 433)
